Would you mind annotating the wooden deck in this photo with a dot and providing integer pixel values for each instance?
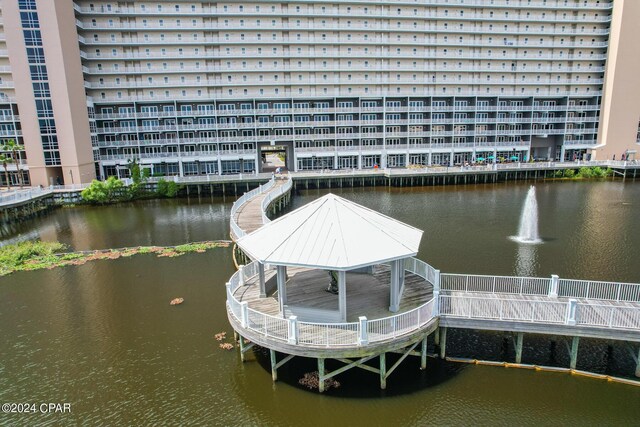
(367, 295)
(249, 215)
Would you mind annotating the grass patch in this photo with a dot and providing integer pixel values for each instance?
(37, 255)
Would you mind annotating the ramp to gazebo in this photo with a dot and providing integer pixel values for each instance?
(367, 295)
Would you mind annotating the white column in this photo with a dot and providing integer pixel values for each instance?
(263, 291)
(342, 295)
(394, 288)
(282, 290)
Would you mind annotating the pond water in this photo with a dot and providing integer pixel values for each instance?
(103, 337)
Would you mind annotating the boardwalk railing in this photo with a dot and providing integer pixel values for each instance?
(273, 195)
(237, 231)
(497, 298)
(548, 311)
(552, 287)
(313, 334)
(16, 196)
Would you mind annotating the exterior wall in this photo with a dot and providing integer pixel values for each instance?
(59, 40)
(198, 88)
(450, 82)
(620, 119)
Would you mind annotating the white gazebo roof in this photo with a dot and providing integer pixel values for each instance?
(332, 233)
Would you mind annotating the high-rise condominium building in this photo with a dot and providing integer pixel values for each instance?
(203, 87)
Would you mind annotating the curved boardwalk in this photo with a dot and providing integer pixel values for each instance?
(249, 214)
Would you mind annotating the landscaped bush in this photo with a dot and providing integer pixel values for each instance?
(102, 192)
(167, 188)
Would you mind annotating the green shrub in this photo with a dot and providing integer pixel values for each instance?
(167, 188)
(101, 192)
(569, 173)
(585, 173)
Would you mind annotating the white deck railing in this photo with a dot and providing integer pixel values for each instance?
(495, 284)
(313, 334)
(548, 311)
(274, 195)
(235, 228)
(490, 308)
(11, 197)
(552, 287)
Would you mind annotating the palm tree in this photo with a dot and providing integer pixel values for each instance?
(14, 148)
(5, 160)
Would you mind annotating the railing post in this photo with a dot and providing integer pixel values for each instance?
(553, 286)
(436, 303)
(241, 275)
(363, 333)
(293, 330)
(571, 312)
(436, 281)
(244, 314)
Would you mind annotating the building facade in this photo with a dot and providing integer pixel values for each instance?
(200, 87)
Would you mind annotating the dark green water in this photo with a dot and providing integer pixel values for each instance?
(103, 337)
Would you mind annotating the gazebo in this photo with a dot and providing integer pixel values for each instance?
(335, 235)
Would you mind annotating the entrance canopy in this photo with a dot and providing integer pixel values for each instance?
(332, 233)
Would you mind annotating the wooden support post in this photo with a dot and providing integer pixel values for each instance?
(637, 373)
(241, 343)
(321, 375)
(274, 368)
(383, 371)
(574, 352)
(519, 340)
(443, 342)
(436, 337)
(423, 353)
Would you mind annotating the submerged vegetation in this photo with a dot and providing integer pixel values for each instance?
(36, 255)
(584, 173)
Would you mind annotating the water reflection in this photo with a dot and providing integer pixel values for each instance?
(526, 262)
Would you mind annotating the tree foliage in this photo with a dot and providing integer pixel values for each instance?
(5, 160)
(167, 188)
(101, 192)
(14, 148)
(139, 176)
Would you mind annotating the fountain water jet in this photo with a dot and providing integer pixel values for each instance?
(528, 232)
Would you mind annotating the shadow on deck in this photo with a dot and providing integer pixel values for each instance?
(367, 294)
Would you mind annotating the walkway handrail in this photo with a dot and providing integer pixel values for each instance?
(549, 311)
(315, 334)
(478, 297)
(16, 196)
(242, 200)
(553, 286)
(272, 196)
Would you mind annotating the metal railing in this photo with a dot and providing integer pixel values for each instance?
(273, 195)
(552, 287)
(235, 228)
(12, 197)
(491, 308)
(340, 334)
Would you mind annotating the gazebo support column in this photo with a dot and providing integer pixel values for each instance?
(342, 295)
(282, 289)
(263, 291)
(394, 290)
